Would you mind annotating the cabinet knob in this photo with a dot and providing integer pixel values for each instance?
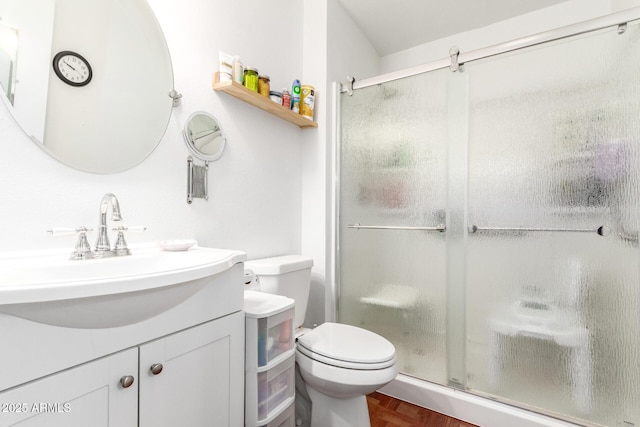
(156, 368)
(126, 381)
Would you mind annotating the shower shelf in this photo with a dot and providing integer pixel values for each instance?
(238, 91)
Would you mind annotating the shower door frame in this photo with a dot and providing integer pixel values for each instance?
(616, 19)
(338, 88)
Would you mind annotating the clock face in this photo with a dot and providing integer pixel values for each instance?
(72, 68)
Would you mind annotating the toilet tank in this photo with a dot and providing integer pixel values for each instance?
(289, 276)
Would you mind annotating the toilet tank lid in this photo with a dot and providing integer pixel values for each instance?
(258, 305)
(279, 264)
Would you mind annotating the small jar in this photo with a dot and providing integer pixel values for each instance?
(250, 80)
(275, 97)
(263, 86)
(307, 101)
(286, 98)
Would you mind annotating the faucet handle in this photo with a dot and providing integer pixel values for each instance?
(133, 229)
(82, 249)
(121, 247)
(67, 231)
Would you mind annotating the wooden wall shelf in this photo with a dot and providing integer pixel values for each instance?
(238, 91)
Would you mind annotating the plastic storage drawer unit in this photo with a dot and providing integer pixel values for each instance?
(274, 389)
(275, 337)
(270, 359)
(285, 419)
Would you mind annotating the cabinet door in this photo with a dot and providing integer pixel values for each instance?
(194, 377)
(87, 395)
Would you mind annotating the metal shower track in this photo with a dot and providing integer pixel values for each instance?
(614, 19)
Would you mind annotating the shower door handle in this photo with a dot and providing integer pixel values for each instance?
(358, 226)
(601, 231)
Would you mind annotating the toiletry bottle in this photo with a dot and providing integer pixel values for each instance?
(286, 98)
(238, 70)
(295, 96)
(226, 67)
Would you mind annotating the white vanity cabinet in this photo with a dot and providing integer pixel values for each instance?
(194, 378)
(186, 363)
(87, 395)
(188, 378)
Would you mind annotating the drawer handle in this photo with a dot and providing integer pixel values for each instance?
(126, 381)
(156, 368)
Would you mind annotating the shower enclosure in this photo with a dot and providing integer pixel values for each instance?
(488, 223)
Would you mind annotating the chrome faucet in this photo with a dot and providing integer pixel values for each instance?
(103, 247)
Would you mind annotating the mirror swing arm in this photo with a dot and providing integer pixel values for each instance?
(176, 97)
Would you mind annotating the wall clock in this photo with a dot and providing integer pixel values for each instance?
(72, 68)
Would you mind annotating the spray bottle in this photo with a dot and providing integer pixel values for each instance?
(295, 96)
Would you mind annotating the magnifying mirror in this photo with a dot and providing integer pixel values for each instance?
(203, 136)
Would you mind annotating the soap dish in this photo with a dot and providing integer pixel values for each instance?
(176, 245)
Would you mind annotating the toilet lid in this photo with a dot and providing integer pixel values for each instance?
(347, 346)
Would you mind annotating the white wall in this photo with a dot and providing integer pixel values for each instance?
(617, 5)
(556, 16)
(333, 47)
(255, 189)
(314, 158)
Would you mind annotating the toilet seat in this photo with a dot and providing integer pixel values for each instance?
(346, 346)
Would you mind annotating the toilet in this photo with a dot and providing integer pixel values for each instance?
(337, 365)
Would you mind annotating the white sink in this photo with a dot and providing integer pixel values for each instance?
(46, 287)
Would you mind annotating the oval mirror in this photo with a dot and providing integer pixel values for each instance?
(204, 137)
(87, 80)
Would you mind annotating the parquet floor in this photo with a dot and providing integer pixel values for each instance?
(385, 411)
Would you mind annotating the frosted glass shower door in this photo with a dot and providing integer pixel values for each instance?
(553, 307)
(392, 205)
